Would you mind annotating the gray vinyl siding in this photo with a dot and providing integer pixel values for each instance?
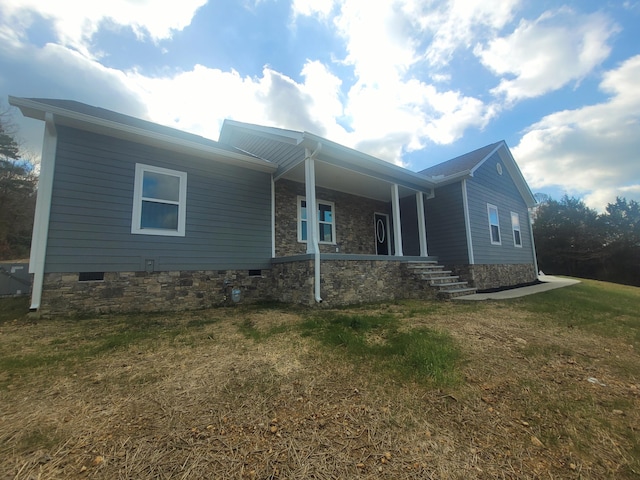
(487, 186)
(446, 232)
(409, 222)
(228, 210)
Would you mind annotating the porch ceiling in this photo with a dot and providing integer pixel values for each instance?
(347, 181)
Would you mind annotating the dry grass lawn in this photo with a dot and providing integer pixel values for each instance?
(244, 393)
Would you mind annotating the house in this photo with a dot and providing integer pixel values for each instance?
(132, 215)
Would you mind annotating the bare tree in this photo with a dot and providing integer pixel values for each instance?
(18, 182)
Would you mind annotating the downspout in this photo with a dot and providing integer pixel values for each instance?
(43, 211)
(467, 222)
(273, 217)
(533, 244)
(312, 217)
(422, 224)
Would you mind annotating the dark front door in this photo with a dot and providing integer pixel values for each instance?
(381, 224)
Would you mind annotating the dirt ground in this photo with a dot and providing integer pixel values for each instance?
(535, 401)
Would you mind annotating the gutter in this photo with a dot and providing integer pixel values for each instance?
(441, 180)
(38, 111)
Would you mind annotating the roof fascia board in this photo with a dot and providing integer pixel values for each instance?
(453, 178)
(510, 162)
(487, 157)
(82, 121)
(518, 178)
(351, 159)
(272, 133)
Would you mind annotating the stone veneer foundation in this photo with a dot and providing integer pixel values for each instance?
(343, 282)
(485, 277)
(146, 292)
(346, 282)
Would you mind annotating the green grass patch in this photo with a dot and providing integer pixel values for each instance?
(250, 329)
(604, 308)
(419, 354)
(79, 340)
(13, 308)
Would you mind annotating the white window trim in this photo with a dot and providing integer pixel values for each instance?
(333, 224)
(515, 228)
(489, 207)
(137, 202)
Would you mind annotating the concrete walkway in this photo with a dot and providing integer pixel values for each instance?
(549, 283)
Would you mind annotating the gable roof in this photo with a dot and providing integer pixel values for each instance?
(100, 120)
(291, 153)
(467, 164)
(462, 164)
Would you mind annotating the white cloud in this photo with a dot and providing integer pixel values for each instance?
(593, 149)
(272, 99)
(55, 71)
(322, 8)
(75, 22)
(458, 23)
(603, 196)
(544, 55)
(388, 111)
(379, 39)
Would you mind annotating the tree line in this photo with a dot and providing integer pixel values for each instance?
(18, 181)
(573, 239)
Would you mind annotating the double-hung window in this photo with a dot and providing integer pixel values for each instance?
(326, 221)
(515, 226)
(494, 224)
(159, 201)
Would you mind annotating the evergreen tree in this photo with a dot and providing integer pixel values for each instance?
(572, 239)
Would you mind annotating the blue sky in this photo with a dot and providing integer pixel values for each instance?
(413, 82)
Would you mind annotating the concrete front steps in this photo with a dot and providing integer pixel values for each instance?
(447, 285)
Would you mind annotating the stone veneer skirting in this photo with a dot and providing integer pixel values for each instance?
(485, 277)
(146, 292)
(346, 282)
(343, 282)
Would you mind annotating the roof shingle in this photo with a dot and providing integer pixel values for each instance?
(460, 164)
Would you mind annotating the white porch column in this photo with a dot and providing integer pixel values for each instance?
(397, 226)
(422, 226)
(310, 194)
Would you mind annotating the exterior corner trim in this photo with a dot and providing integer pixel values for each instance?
(43, 211)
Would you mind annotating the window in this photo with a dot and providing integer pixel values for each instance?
(326, 221)
(515, 225)
(494, 224)
(159, 201)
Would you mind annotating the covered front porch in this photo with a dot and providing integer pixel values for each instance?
(365, 241)
(362, 207)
